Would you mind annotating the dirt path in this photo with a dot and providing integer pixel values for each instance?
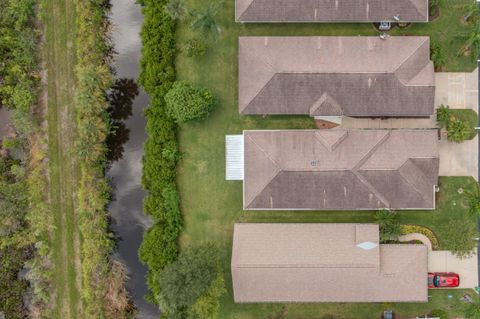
(60, 57)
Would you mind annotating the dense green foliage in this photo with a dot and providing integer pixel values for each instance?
(18, 92)
(15, 247)
(458, 123)
(474, 200)
(472, 310)
(195, 48)
(390, 227)
(160, 244)
(18, 65)
(437, 55)
(186, 102)
(191, 286)
(459, 237)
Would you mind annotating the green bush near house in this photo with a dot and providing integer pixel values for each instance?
(411, 229)
(191, 286)
(459, 123)
(186, 102)
(389, 225)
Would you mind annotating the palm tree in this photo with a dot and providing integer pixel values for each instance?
(472, 42)
(474, 200)
(176, 9)
(458, 131)
(204, 20)
(390, 228)
(472, 311)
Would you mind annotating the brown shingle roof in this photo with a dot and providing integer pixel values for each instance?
(340, 169)
(351, 76)
(322, 263)
(331, 10)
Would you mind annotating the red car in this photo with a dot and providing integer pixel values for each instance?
(443, 280)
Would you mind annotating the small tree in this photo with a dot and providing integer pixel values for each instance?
(186, 102)
(204, 20)
(390, 228)
(443, 115)
(474, 200)
(192, 284)
(176, 9)
(437, 55)
(195, 48)
(458, 131)
(472, 310)
(459, 236)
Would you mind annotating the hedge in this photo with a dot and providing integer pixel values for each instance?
(160, 243)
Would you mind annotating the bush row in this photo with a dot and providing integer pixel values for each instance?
(94, 78)
(159, 246)
(19, 186)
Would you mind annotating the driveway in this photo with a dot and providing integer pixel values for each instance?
(459, 91)
(445, 261)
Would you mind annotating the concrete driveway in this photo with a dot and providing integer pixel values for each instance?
(459, 91)
(445, 261)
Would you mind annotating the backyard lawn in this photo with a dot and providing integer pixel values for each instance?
(212, 205)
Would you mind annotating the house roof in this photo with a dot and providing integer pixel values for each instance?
(340, 169)
(323, 263)
(332, 76)
(331, 10)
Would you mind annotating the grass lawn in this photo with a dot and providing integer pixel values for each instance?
(212, 205)
(467, 115)
(59, 56)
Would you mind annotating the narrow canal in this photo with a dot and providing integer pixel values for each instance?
(126, 150)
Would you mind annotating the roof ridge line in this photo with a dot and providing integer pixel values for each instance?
(363, 160)
(416, 8)
(278, 170)
(419, 171)
(248, 7)
(408, 57)
(258, 93)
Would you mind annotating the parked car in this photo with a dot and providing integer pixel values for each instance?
(443, 280)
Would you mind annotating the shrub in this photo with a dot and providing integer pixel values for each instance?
(438, 313)
(410, 229)
(193, 283)
(195, 48)
(458, 237)
(186, 102)
(159, 246)
(443, 115)
(389, 225)
(458, 131)
(437, 55)
(474, 200)
(433, 6)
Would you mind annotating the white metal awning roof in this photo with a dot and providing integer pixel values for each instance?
(234, 157)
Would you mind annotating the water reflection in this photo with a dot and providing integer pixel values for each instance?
(121, 98)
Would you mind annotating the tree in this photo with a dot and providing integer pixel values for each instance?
(437, 55)
(195, 47)
(176, 9)
(443, 115)
(204, 20)
(472, 42)
(458, 131)
(190, 286)
(472, 310)
(185, 102)
(459, 236)
(474, 200)
(390, 228)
